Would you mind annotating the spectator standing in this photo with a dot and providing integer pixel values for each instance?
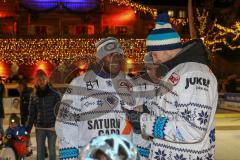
(42, 110)
(231, 85)
(1, 106)
(25, 93)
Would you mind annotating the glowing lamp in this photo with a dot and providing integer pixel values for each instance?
(75, 5)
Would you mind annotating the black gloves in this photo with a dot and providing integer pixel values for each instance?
(145, 110)
(134, 118)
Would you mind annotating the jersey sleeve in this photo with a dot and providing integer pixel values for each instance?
(195, 108)
(67, 126)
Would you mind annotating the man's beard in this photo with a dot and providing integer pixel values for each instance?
(107, 69)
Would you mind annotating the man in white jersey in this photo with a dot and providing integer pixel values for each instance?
(92, 106)
(182, 126)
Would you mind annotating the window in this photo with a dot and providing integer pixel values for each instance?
(171, 13)
(121, 29)
(41, 30)
(182, 14)
(7, 26)
(90, 29)
(84, 29)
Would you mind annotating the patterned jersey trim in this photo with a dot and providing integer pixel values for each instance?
(67, 153)
(144, 152)
(193, 104)
(158, 127)
(184, 149)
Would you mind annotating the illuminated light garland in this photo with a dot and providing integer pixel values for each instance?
(145, 9)
(32, 51)
(179, 21)
(202, 19)
(235, 31)
(136, 6)
(215, 34)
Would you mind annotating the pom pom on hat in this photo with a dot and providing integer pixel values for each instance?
(164, 17)
(163, 36)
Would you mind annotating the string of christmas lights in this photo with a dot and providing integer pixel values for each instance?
(216, 35)
(179, 21)
(146, 9)
(136, 6)
(30, 51)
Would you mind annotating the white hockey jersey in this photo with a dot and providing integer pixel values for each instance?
(147, 90)
(182, 123)
(149, 93)
(90, 109)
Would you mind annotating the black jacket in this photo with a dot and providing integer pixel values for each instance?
(24, 104)
(43, 108)
(195, 46)
(1, 100)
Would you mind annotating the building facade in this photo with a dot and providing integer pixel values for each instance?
(79, 18)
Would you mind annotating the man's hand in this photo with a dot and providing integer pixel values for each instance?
(142, 109)
(134, 118)
(138, 109)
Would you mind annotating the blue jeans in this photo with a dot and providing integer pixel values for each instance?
(41, 136)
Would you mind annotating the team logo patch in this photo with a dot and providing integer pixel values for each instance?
(174, 79)
(109, 83)
(110, 46)
(125, 84)
(197, 81)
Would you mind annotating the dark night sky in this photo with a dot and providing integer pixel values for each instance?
(163, 2)
(217, 3)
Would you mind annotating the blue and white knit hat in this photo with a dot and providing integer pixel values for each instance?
(163, 36)
(107, 46)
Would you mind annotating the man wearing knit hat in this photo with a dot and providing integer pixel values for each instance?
(110, 56)
(182, 127)
(97, 113)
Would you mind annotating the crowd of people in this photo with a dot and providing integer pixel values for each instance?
(168, 112)
(165, 113)
(37, 107)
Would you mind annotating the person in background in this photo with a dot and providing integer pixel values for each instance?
(25, 94)
(231, 85)
(14, 125)
(17, 137)
(42, 111)
(1, 106)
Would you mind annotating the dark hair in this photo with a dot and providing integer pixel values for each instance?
(41, 73)
(14, 117)
(23, 82)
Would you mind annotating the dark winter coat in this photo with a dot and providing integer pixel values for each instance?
(1, 101)
(24, 104)
(43, 108)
